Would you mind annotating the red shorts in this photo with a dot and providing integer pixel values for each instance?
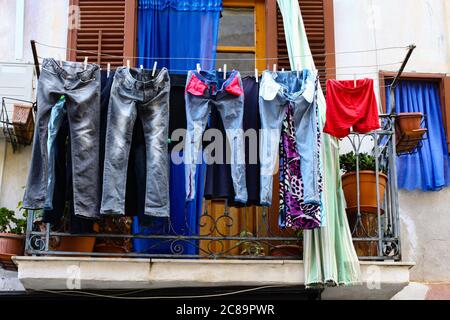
(349, 106)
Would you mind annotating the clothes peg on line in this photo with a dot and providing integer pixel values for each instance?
(298, 70)
(108, 69)
(198, 67)
(220, 69)
(282, 69)
(85, 62)
(256, 75)
(60, 60)
(154, 68)
(128, 64)
(354, 80)
(224, 71)
(141, 67)
(274, 67)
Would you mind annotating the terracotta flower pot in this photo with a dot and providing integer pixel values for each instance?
(12, 244)
(368, 188)
(76, 244)
(110, 248)
(409, 121)
(286, 250)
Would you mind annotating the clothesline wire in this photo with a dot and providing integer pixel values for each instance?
(343, 67)
(98, 53)
(323, 76)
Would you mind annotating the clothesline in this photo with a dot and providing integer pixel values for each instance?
(98, 53)
(323, 76)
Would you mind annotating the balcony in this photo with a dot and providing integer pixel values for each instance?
(233, 246)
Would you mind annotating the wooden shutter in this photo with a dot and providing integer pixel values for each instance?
(107, 27)
(319, 24)
(445, 98)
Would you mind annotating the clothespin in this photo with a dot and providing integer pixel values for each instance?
(198, 67)
(220, 69)
(256, 75)
(274, 67)
(282, 69)
(128, 64)
(154, 68)
(108, 69)
(60, 60)
(85, 62)
(354, 80)
(298, 70)
(141, 67)
(224, 71)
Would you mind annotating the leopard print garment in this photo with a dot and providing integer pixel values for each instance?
(294, 213)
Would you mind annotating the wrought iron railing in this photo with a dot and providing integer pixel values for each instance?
(253, 233)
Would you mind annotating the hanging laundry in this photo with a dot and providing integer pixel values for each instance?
(350, 106)
(148, 100)
(219, 184)
(203, 89)
(184, 217)
(278, 91)
(293, 212)
(81, 86)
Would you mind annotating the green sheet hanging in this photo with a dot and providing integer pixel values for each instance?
(329, 254)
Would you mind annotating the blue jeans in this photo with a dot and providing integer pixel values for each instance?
(137, 95)
(277, 90)
(54, 124)
(81, 87)
(202, 90)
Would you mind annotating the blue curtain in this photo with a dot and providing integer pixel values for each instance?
(178, 29)
(428, 169)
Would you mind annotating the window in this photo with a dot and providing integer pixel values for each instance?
(444, 86)
(242, 35)
(108, 27)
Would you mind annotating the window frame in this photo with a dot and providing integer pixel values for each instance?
(444, 92)
(259, 47)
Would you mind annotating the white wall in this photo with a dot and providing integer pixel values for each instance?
(44, 21)
(370, 24)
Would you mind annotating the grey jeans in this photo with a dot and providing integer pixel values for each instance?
(82, 91)
(277, 90)
(136, 94)
(202, 90)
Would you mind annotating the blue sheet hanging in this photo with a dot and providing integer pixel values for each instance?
(178, 29)
(428, 169)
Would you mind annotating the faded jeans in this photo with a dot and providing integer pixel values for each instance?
(136, 94)
(56, 120)
(202, 90)
(82, 91)
(277, 90)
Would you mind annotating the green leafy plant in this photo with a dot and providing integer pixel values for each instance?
(9, 223)
(366, 162)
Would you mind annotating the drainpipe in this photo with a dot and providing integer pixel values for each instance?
(20, 17)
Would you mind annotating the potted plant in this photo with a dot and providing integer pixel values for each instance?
(250, 248)
(12, 240)
(367, 181)
(408, 131)
(114, 225)
(289, 249)
(69, 243)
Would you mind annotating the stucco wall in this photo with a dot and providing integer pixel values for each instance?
(370, 24)
(44, 21)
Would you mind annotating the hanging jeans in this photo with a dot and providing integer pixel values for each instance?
(277, 91)
(81, 87)
(56, 120)
(136, 93)
(203, 89)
